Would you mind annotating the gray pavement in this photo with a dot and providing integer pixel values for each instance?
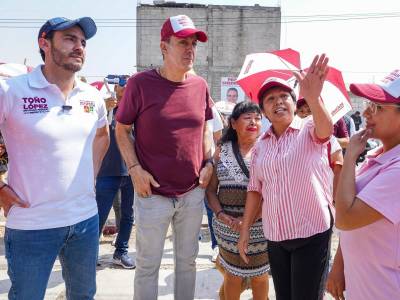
(117, 284)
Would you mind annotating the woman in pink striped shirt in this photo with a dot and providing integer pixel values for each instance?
(290, 175)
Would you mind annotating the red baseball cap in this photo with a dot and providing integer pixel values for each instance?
(181, 26)
(386, 90)
(300, 103)
(272, 82)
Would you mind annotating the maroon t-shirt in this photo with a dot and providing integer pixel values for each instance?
(168, 119)
(340, 129)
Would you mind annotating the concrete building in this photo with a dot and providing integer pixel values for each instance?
(233, 32)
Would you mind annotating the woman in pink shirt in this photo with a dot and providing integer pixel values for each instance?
(368, 202)
(290, 176)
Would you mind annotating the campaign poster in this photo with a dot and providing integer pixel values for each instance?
(231, 91)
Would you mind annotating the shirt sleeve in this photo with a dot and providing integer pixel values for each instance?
(352, 127)
(4, 104)
(311, 129)
(340, 129)
(208, 110)
(217, 121)
(255, 184)
(382, 193)
(335, 146)
(129, 106)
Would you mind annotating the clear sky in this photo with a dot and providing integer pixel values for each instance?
(364, 45)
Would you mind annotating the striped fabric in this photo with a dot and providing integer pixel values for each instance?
(292, 173)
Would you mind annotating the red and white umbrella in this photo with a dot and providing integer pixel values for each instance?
(8, 70)
(98, 85)
(334, 95)
(103, 88)
(257, 67)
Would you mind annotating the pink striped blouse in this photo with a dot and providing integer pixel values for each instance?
(292, 173)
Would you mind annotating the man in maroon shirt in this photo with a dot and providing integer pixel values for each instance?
(341, 133)
(169, 158)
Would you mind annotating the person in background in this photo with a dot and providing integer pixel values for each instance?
(215, 126)
(350, 126)
(341, 133)
(367, 201)
(3, 159)
(227, 195)
(232, 95)
(357, 120)
(112, 178)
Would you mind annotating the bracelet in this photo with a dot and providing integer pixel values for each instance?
(134, 165)
(209, 160)
(219, 212)
(4, 185)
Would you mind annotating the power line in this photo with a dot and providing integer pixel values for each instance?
(5, 23)
(226, 24)
(381, 14)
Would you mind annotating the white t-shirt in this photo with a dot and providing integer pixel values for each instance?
(50, 150)
(214, 125)
(335, 146)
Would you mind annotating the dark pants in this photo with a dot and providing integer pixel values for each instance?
(209, 217)
(299, 266)
(106, 189)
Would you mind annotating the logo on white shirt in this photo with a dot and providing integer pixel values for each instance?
(34, 105)
(88, 106)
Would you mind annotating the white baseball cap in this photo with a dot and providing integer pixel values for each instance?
(386, 90)
(181, 26)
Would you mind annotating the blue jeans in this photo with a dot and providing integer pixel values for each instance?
(106, 189)
(209, 217)
(31, 255)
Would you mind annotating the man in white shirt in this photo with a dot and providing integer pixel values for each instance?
(56, 133)
(215, 125)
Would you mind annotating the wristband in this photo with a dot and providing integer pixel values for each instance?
(209, 160)
(134, 165)
(3, 186)
(218, 213)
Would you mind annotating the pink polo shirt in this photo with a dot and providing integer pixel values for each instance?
(372, 253)
(293, 175)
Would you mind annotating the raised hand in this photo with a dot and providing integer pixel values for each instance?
(111, 103)
(312, 81)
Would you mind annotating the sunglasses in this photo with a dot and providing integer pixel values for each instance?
(374, 107)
